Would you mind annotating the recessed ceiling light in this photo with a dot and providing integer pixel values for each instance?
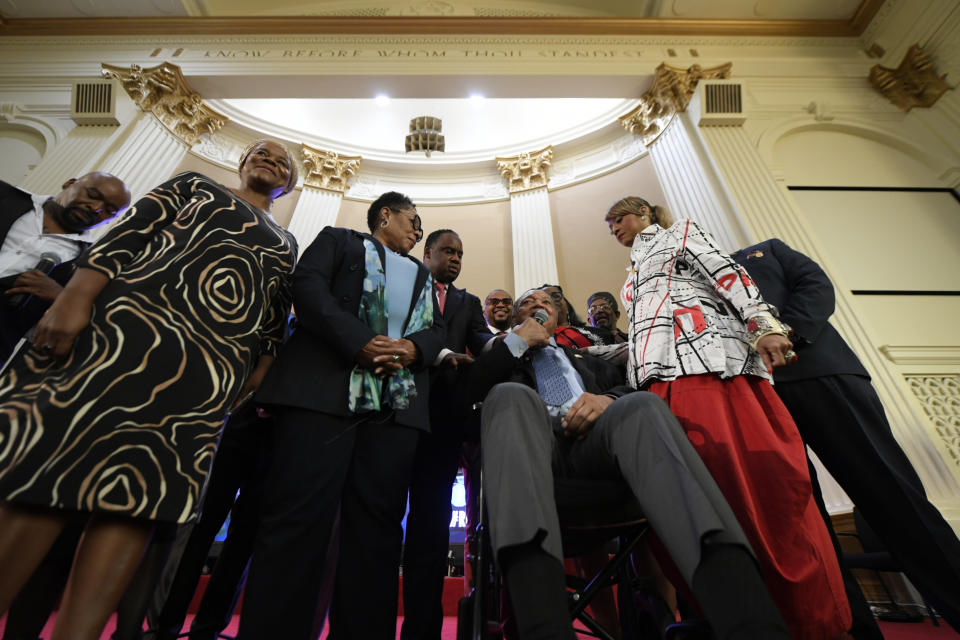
(382, 100)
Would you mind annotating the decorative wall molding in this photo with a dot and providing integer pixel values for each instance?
(163, 91)
(527, 170)
(914, 83)
(669, 94)
(328, 170)
(921, 355)
(581, 25)
(940, 398)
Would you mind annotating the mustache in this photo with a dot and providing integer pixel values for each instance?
(72, 218)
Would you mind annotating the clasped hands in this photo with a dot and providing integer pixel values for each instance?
(385, 355)
(776, 351)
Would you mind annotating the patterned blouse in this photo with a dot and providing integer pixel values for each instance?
(688, 303)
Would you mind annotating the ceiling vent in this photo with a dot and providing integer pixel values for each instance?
(718, 103)
(94, 102)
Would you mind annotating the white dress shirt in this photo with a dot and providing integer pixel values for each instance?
(26, 242)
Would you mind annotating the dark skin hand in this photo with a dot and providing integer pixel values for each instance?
(69, 313)
(773, 348)
(35, 283)
(378, 354)
(454, 360)
(583, 414)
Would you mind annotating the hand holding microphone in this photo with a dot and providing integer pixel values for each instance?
(532, 330)
(35, 282)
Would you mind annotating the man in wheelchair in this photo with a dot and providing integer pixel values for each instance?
(549, 411)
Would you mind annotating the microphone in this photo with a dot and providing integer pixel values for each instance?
(541, 316)
(48, 260)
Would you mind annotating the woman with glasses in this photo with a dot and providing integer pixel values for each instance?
(703, 339)
(349, 396)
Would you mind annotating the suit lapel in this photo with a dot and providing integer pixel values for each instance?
(454, 299)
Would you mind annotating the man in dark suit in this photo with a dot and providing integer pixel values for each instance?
(838, 413)
(32, 225)
(552, 411)
(438, 453)
(349, 393)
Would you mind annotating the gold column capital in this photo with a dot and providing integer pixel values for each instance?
(527, 170)
(164, 92)
(914, 83)
(669, 94)
(328, 169)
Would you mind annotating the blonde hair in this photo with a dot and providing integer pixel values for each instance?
(294, 172)
(631, 205)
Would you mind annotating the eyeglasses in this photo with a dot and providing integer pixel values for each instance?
(415, 222)
(594, 308)
(493, 302)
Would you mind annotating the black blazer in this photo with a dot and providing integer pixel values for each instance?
(466, 328)
(799, 288)
(313, 369)
(499, 365)
(14, 323)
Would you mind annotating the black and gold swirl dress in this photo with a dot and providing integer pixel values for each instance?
(129, 422)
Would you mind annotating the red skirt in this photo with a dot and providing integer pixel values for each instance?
(751, 446)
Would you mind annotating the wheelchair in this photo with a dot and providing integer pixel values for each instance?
(592, 513)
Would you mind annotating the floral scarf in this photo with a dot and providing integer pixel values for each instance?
(366, 388)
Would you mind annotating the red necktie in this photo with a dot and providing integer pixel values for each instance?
(441, 295)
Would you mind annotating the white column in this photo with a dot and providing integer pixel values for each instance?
(316, 209)
(770, 211)
(534, 253)
(73, 157)
(692, 186)
(144, 155)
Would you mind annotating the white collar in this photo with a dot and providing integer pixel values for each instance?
(38, 202)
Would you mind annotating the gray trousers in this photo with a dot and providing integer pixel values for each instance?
(637, 439)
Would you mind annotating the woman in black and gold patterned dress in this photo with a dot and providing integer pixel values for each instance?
(116, 411)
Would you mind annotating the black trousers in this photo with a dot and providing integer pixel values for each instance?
(428, 536)
(320, 461)
(238, 466)
(843, 421)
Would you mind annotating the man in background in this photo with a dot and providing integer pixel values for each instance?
(49, 232)
(438, 452)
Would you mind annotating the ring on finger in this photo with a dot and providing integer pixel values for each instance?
(790, 355)
(396, 358)
(47, 347)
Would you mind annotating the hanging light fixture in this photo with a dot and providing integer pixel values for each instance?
(425, 135)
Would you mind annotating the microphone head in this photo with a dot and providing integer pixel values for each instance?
(541, 316)
(51, 256)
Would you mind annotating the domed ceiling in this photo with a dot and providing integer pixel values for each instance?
(474, 128)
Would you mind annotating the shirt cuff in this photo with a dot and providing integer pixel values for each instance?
(517, 345)
(440, 356)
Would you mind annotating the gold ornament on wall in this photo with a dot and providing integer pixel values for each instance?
(164, 92)
(328, 169)
(527, 170)
(914, 83)
(669, 94)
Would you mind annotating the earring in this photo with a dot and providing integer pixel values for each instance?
(384, 223)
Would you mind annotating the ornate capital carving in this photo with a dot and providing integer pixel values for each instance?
(164, 92)
(328, 169)
(669, 94)
(914, 83)
(9, 111)
(527, 170)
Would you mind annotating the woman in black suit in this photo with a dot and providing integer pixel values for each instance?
(349, 394)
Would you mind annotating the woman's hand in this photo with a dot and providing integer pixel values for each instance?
(387, 355)
(256, 378)
(59, 326)
(35, 283)
(776, 351)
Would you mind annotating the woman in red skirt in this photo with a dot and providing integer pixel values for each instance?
(702, 338)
